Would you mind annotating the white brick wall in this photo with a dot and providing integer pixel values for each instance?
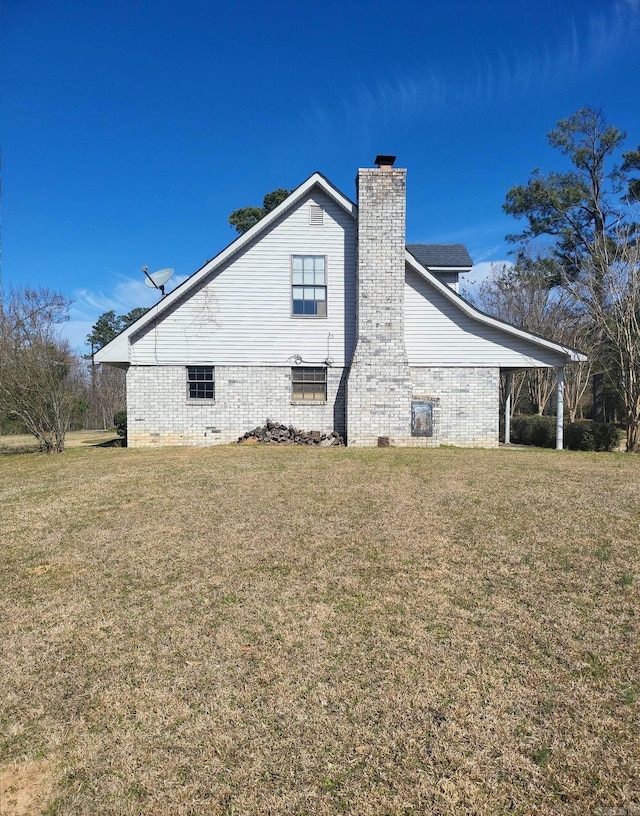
(160, 413)
(467, 404)
(379, 389)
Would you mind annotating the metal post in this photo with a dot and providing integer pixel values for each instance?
(507, 407)
(92, 410)
(560, 409)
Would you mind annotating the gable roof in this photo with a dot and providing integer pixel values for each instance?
(113, 351)
(481, 317)
(419, 256)
(441, 256)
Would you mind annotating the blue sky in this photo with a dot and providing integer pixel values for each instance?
(130, 130)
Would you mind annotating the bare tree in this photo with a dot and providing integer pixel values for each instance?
(38, 372)
(517, 384)
(611, 301)
(521, 295)
(578, 376)
(108, 395)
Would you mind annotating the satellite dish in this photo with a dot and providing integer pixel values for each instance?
(157, 280)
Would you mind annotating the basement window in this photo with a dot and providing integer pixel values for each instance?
(308, 384)
(309, 286)
(200, 382)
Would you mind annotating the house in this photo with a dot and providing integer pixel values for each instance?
(321, 316)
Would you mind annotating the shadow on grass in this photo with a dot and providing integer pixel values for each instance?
(118, 442)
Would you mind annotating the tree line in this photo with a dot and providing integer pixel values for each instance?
(575, 280)
(576, 276)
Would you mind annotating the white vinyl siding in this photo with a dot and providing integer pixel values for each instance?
(439, 333)
(241, 314)
(316, 215)
(450, 278)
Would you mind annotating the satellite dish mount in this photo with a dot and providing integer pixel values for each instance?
(157, 280)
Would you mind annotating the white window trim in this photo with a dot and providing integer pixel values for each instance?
(326, 285)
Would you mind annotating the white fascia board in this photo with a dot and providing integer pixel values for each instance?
(460, 269)
(461, 303)
(117, 351)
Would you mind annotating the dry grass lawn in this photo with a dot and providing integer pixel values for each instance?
(301, 631)
(25, 443)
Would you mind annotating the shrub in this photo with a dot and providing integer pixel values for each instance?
(583, 436)
(120, 423)
(607, 436)
(591, 436)
(534, 430)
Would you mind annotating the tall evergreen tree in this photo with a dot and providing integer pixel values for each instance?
(109, 325)
(245, 217)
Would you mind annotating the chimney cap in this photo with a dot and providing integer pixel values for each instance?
(385, 161)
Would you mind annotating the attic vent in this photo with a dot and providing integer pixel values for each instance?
(316, 214)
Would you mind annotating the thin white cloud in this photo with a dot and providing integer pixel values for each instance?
(481, 239)
(76, 331)
(484, 254)
(580, 50)
(126, 294)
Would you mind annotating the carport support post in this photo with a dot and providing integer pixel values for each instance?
(560, 409)
(507, 407)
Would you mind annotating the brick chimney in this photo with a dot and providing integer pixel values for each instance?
(379, 389)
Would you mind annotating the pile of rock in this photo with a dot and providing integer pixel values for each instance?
(279, 434)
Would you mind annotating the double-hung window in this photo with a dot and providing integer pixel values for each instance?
(200, 382)
(308, 384)
(309, 285)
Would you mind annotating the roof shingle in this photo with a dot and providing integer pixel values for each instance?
(441, 255)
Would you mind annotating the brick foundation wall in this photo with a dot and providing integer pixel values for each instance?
(159, 412)
(466, 406)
